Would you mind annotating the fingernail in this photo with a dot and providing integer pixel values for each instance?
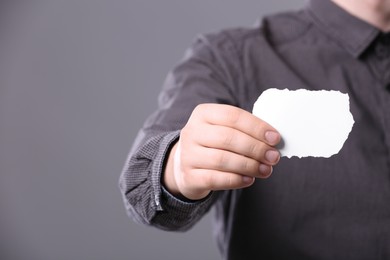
(265, 170)
(272, 156)
(271, 137)
(247, 179)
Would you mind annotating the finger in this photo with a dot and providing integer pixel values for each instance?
(225, 161)
(219, 180)
(232, 140)
(239, 119)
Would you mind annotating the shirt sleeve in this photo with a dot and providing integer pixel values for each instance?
(205, 75)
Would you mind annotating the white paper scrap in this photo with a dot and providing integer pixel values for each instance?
(311, 123)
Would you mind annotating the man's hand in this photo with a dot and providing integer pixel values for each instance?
(220, 148)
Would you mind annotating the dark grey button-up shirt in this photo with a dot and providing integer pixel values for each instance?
(310, 208)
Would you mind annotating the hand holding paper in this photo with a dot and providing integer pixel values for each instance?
(221, 148)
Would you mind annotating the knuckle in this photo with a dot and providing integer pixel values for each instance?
(253, 148)
(221, 160)
(233, 116)
(258, 128)
(198, 109)
(228, 138)
(231, 181)
(203, 109)
(260, 151)
(249, 166)
(189, 129)
(198, 113)
(190, 134)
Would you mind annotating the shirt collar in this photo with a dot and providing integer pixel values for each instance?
(353, 34)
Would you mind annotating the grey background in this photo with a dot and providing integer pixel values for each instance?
(77, 79)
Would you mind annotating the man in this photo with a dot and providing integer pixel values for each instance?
(204, 148)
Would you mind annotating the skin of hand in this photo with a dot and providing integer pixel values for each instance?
(220, 148)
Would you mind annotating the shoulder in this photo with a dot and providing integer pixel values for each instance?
(230, 39)
(286, 27)
(275, 29)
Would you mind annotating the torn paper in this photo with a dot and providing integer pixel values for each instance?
(311, 123)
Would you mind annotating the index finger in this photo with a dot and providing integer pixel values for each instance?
(241, 120)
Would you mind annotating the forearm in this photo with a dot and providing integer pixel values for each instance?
(200, 78)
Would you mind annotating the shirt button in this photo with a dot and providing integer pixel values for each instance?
(386, 39)
(383, 47)
(382, 51)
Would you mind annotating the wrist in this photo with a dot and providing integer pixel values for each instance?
(168, 178)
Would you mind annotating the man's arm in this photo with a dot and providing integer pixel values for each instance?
(194, 148)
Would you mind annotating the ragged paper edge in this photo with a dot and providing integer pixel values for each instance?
(349, 121)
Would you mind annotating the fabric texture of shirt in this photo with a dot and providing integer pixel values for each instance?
(310, 208)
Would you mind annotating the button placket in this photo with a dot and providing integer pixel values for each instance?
(382, 49)
(386, 45)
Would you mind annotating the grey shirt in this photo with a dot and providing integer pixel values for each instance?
(310, 208)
